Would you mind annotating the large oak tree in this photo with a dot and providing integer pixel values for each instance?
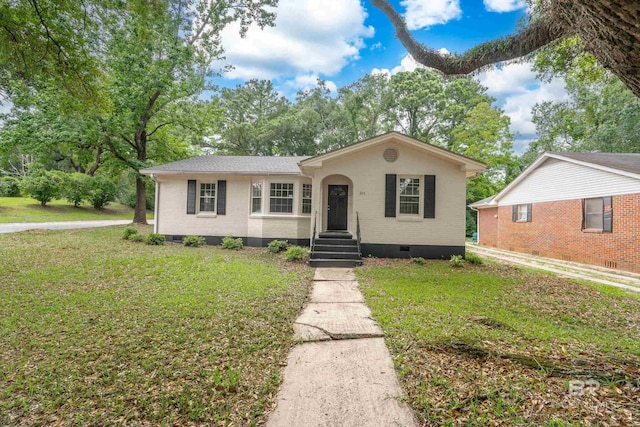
(609, 29)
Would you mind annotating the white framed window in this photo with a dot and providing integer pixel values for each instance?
(306, 198)
(409, 196)
(594, 213)
(207, 197)
(256, 197)
(281, 197)
(523, 212)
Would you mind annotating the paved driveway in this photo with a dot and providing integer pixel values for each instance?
(66, 225)
(619, 279)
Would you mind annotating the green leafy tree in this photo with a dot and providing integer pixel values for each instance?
(75, 188)
(43, 186)
(126, 69)
(102, 190)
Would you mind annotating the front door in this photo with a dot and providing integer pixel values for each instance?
(337, 209)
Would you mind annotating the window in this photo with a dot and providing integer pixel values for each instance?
(281, 198)
(306, 198)
(410, 196)
(207, 197)
(594, 214)
(256, 197)
(523, 211)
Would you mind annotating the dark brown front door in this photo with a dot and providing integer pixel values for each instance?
(337, 214)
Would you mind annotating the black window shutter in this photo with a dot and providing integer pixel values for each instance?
(607, 218)
(221, 209)
(191, 197)
(390, 196)
(514, 213)
(429, 196)
(529, 209)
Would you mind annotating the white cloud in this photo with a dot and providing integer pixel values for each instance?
(425, 13)
(310, 81)
(504, 5)
(406, 64)
(517, 90)
(310, 37)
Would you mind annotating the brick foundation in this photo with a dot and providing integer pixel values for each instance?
(556, 232)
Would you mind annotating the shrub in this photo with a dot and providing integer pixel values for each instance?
(295, 253)
(418, 260)
(101, 191)
(9, 186)
(193, 241)
(230, 243)
(154, 239)
(126, 193)
(43, 186)
(138, 238)
(473, 258)
(129, 232)
(276, 246)
(75, 188)
(456, 261)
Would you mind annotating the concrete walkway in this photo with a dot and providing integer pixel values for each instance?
(62, 225)
(573, 270)
(342, 373)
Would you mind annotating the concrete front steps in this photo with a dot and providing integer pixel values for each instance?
(335, 249)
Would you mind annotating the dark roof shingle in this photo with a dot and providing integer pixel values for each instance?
(627, 162)
(233, 164)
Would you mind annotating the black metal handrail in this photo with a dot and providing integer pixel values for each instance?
(313, 237)
(358, 233)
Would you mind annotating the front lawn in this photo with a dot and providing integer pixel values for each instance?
(95, 330)
(496, 345)
(24, 209)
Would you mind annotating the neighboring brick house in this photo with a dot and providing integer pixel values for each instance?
(582, 207)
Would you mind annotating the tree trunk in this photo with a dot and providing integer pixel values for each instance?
(140, 215)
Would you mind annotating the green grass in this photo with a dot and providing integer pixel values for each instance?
(23, 209)
(494, 344)
(96, 330)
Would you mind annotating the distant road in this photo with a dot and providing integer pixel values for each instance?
(66, 225)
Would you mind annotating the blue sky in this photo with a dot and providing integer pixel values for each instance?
(342, 40)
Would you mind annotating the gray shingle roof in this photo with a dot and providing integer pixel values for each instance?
(232, 165)
(622, 161)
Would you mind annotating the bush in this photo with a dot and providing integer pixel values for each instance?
(418, 260)
(456, 261)
(138, 238)
(295, 253)
(43, 186)
(129, 232)
(154, 239)
(101, 191)
(276, 246)
(9, 186)
(473, 258)
(75, 188)
(193, 241)
(230, 243)
(126, 193)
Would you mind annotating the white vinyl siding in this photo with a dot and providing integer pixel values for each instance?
(256, 197)
(281, 197)
(560, 180)
(594, 214)
(306, 198)
(409, 196)
(207, 197)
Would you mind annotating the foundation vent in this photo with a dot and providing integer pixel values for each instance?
(390, 155)
(611, 264)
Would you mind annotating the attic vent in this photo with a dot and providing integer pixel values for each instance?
(390, 154)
